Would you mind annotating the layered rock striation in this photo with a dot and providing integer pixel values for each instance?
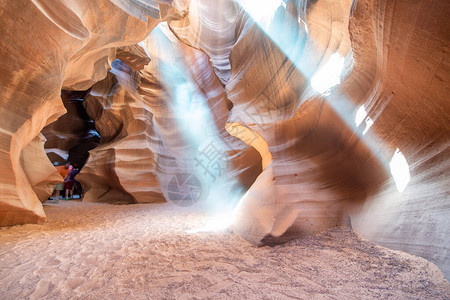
(45, 44)
(149, 140)
(369, 150)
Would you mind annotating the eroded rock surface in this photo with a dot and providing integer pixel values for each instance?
(73, 134)
(148, 138)
(122, 168)
(41, 179)
(43, 44)
(270, 67)
(333, 155)
(370, 152)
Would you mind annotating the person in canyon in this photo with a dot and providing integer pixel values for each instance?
(63, 171)
(69, 181)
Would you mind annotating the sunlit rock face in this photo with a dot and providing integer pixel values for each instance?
(43, 44)
(106, 27)
(371, 152)
(322, 112)
(41, 179)
(272, 56)
(401, 77)
(122, 168)
(180, 79)
(161, 124)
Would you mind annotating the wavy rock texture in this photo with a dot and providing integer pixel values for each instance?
(211, 28)
(326, 157)
(197, 142)
(403, 82)
(43, 44)
(41, 179)
(148, 138)
(131, 23)
(73, 134)
(122, 168)
(269, 91)
(327, 167)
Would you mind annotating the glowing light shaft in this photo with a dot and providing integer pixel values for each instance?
(216, 223)
(360, 115)
(329, 75)
(286, 34)
(285, 31)
(290, 42)
(203, 142)
(400, 170)
(369, 123)
(262, 11)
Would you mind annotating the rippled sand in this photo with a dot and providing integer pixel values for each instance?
(143, 251)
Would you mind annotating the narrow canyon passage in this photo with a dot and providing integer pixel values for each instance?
(153, 251)
(319, 130)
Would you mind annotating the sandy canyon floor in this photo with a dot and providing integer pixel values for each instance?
(102, 251)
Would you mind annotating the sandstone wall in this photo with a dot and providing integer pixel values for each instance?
(243, 85)
(270, 68)
(43, 44)
(148, 136)
(329, 166)
(122, 168)
(405, 45)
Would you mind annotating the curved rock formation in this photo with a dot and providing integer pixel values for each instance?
(43, 44)
(122, 168)
(268, 86)
(147, 141)
(73, 134)
(198, 142)
(41, 179)
(402, 81)
(235, 80)
(334, 155)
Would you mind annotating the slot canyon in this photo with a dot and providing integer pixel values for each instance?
(228, 149)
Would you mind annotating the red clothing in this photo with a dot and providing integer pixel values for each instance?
(63, 171)
(68, 185)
